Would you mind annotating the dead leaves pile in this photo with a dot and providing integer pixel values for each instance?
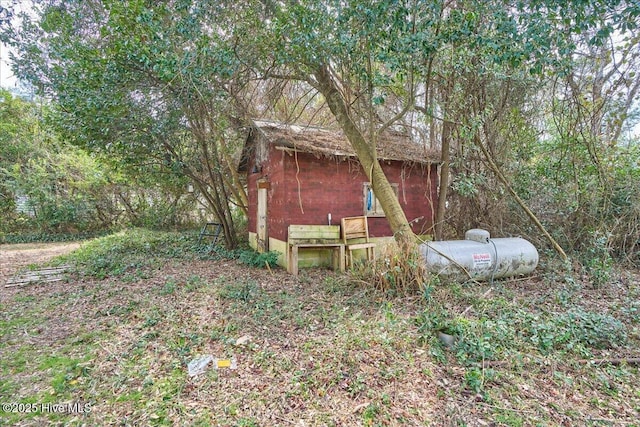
(309, 351)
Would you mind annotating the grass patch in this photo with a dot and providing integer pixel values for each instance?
(316, 349)
(41, 237)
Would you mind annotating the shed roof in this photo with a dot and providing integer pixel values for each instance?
(333, 143)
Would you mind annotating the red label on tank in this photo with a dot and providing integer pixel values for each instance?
(480, 260)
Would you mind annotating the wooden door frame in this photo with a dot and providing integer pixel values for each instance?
(262, 211)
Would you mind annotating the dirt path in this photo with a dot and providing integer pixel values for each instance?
(14, 257)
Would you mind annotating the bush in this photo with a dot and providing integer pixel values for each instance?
(393, 271)
(117, 253)
(256, 259)
(246, 256)
(48, 237)
(596, 259)
(506, 332)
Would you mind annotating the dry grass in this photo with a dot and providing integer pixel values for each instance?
(320, 352)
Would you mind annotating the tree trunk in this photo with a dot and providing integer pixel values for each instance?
(496, 170)
(444, 180)
(447, 128)
(366, 154)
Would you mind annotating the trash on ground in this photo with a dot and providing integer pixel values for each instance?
(199, 365)
(447, 340)
(243, 340)
(225, 363)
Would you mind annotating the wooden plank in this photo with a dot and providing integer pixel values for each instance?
(357, 246)
(315, 237)
(48, 280)
(313, 227)
(41, 273)
(35, 276)
(46, 274)
(355, 227)
(314, 232)
(318, 245)
(262, 232)
(337, 249)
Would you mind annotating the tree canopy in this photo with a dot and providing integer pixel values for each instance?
(489, 83)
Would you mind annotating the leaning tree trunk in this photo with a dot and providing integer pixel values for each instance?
(505, 182)
(366, 154)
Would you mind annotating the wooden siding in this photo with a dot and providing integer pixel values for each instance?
(305, 188)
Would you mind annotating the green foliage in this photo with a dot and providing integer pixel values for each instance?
(127, 250)
(501, 332)
(168, 288)
(243, 292)
(256, 259)
(50, 188)
(138, 249)
(143, 84)
(246, 256)
(30, 237)
(126, 87)
(593, 209)
(475, 378)
(597, 260)
(65, 189)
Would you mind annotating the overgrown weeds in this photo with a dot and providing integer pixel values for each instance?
(315, 349)
(393, 272)
(129, 250)
(498, 332)
(246, 256)
(597, 260)
(136, 250)
(38, 237)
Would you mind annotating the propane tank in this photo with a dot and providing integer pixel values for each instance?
(479, 257)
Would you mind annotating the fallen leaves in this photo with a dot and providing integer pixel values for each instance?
(306, 354)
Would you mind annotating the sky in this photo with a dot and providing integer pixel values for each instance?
(7, 79)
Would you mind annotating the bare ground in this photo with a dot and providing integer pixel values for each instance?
(17, 256)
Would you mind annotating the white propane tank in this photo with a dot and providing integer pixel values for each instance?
(480, 257)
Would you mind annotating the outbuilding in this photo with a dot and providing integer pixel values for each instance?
(310, 175)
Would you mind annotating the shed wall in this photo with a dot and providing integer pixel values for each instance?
(304, 189)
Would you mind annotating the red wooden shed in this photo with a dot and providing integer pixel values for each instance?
(310, 175)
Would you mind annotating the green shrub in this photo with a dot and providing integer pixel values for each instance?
(243, 292)
(256, 259)
(32, 237)
(597, 260)
(504, 332)
(117, 253)
(246, 256)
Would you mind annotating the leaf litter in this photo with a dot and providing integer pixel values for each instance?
(312, 351)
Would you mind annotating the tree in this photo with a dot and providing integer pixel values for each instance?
(173, 72)
(360, 57)
(18, 123)
(61, 188)
(153, 84)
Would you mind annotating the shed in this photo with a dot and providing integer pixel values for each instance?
(310, 175)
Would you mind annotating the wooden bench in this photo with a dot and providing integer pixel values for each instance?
(315, 237)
